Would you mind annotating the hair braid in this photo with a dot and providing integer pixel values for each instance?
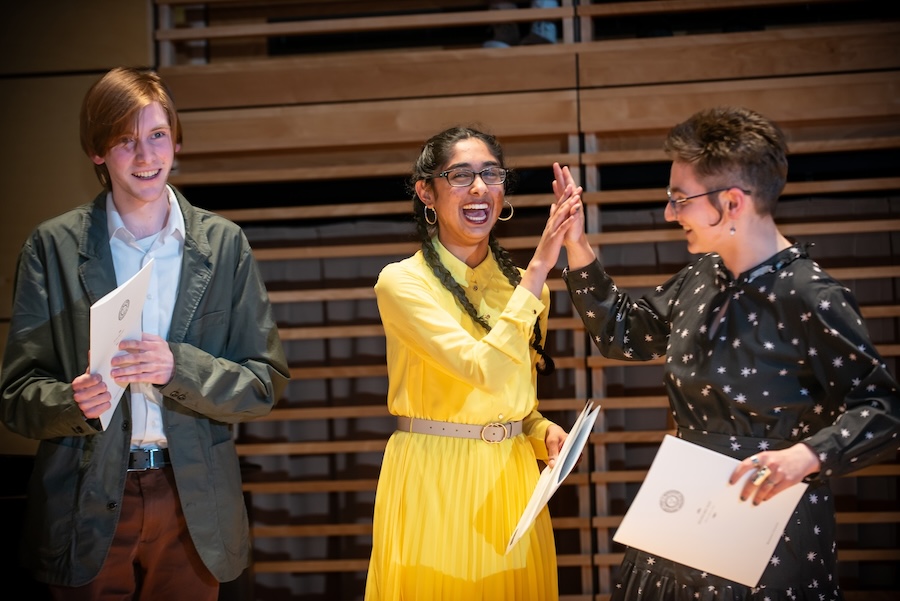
(445, 278)
(546, 366)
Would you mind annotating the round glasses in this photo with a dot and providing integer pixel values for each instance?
(491, 176)
(676, 203)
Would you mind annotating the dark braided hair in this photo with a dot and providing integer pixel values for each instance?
(435, 154)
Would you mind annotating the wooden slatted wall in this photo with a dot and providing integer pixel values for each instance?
(301, 122)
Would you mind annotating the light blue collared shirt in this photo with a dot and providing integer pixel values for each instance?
(129, 256)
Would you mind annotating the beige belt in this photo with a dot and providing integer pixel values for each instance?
(490, 433)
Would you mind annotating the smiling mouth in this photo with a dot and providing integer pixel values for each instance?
(146, 174)
(476, 212)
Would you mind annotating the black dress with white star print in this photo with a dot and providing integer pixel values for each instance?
(775, 356)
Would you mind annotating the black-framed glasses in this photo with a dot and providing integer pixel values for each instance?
(675, 203)
(459, 177)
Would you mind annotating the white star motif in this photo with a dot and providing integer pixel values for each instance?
(811, 556)
(838, 362)
(825, 305)
(768, 346)
(775, 560)
(845, 433)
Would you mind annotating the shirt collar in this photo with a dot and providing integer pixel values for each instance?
(462, 273)
(773, 264)
(174, 225)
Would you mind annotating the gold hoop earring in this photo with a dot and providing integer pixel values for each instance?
(425, 212)
(512, 211)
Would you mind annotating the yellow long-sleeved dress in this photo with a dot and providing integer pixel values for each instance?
(446, 507)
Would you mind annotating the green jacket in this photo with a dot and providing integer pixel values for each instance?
(229, 367)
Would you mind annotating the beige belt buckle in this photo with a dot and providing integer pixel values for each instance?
(498, 425)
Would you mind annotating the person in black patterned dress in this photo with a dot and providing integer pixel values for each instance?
(767, 358)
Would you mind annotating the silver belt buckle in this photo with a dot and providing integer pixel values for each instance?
(154, 463)
(154, 460)
(503, 427)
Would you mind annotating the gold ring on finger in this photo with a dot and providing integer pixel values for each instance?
(761, 475)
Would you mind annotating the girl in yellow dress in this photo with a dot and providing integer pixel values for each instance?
(464, 330)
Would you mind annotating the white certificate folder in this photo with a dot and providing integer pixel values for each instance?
(687, 512)
(552, 477)
(114, 318)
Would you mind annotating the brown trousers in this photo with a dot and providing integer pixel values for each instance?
(152, 555)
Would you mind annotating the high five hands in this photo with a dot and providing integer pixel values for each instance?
(568, 197)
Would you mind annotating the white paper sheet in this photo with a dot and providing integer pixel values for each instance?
(687, 512)
(551, 478)
(117, 317)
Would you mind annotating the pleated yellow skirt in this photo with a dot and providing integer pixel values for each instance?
(444, 511)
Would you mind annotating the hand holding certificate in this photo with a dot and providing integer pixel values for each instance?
(685, 506)
(114, 318)
(552, 477)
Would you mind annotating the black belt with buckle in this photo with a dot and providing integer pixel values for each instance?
(148, 459)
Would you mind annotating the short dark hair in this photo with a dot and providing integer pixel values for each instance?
(733, 146)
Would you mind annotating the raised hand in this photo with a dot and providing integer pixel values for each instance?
(578, 251)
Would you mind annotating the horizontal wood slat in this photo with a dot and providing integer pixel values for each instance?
(377, 76)
(556, 284)
(608, 238)
(646, 7)
(732, 56)
(831, 98)
(366, 24)
(374, 122)
(574, 324)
